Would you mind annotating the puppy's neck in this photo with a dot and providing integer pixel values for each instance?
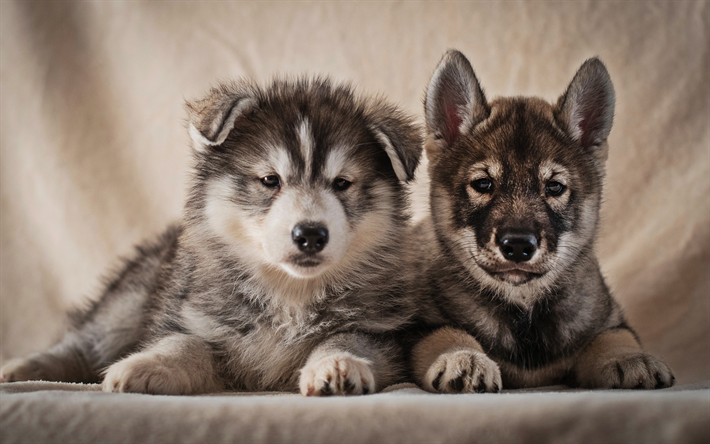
(282, 289)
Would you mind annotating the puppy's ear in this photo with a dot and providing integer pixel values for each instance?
(454, 102)
(586, 109)
(212, 117)
(400, 137)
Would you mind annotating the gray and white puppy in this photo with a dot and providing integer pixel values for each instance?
(507, 258)
(284, 273)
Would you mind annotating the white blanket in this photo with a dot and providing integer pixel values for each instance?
(75, 413)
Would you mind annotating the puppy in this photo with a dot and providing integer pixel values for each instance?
(507, 259)
(284, 272)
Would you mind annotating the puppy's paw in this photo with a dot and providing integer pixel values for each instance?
(146, 374)
(338, 374)
(630, 370)
(21, 369)
(463, 371)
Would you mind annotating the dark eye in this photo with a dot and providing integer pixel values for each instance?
(482, 185)
(554, 189)
(341, 184)
(271, 181)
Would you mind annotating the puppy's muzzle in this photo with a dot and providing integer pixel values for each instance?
(310, 237)
(517, 246)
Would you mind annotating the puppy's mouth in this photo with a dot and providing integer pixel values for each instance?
(306, 261)
(305, 265)
(514, 275)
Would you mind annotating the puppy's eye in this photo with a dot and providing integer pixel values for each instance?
(272, 181)
(482, 185)
(341, 184)
(554, 189)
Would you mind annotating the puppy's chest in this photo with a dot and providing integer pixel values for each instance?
(527, 339)
(271, 354)
(240, 328)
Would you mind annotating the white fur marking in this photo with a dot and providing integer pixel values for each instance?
(307, 144)
(280, 163)
(201, 142)
(335, 163)
(394, 157)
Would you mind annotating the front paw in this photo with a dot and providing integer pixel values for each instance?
(338, 374)
(463, 371)
(630, 370)
(146, 374)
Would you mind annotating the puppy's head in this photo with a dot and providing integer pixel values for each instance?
(516, 183)
(302, 177)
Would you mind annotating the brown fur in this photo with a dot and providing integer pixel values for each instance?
(508, 253)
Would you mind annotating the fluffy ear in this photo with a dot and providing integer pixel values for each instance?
(586, 109)
(454, 102)
(212, 117)
(400, 137)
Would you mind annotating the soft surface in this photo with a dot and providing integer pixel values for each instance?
(94, 154)
(55, 413)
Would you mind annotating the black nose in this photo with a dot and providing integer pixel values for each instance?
(517, 247)
(310, 237)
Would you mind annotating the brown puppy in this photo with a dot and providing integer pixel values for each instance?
(507, 257)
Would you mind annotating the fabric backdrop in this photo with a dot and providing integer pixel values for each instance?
(94, 153)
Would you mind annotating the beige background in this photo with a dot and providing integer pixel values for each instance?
(93, 153)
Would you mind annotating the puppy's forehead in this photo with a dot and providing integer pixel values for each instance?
(521, 126)
(311, 146)
(520, 135)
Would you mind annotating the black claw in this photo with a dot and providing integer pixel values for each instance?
(639, 385)
(348, 386)
(436, 382)
(456, 384)
(365, 390)
(621, 374)
(326, 390)
(480, 385)
(496, 388)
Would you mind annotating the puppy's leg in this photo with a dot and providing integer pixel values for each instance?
(67, 362)
(615, 360)
(107, 329)
(174, 365)
(350, 364)
(452, 361)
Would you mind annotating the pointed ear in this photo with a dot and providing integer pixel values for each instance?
(586, 109)
(400, 137)
(212, 118)
(454, 102)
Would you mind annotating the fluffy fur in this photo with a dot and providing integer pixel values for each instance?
(507, 258)
(285, 271)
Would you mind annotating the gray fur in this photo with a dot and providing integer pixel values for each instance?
(204, 308)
